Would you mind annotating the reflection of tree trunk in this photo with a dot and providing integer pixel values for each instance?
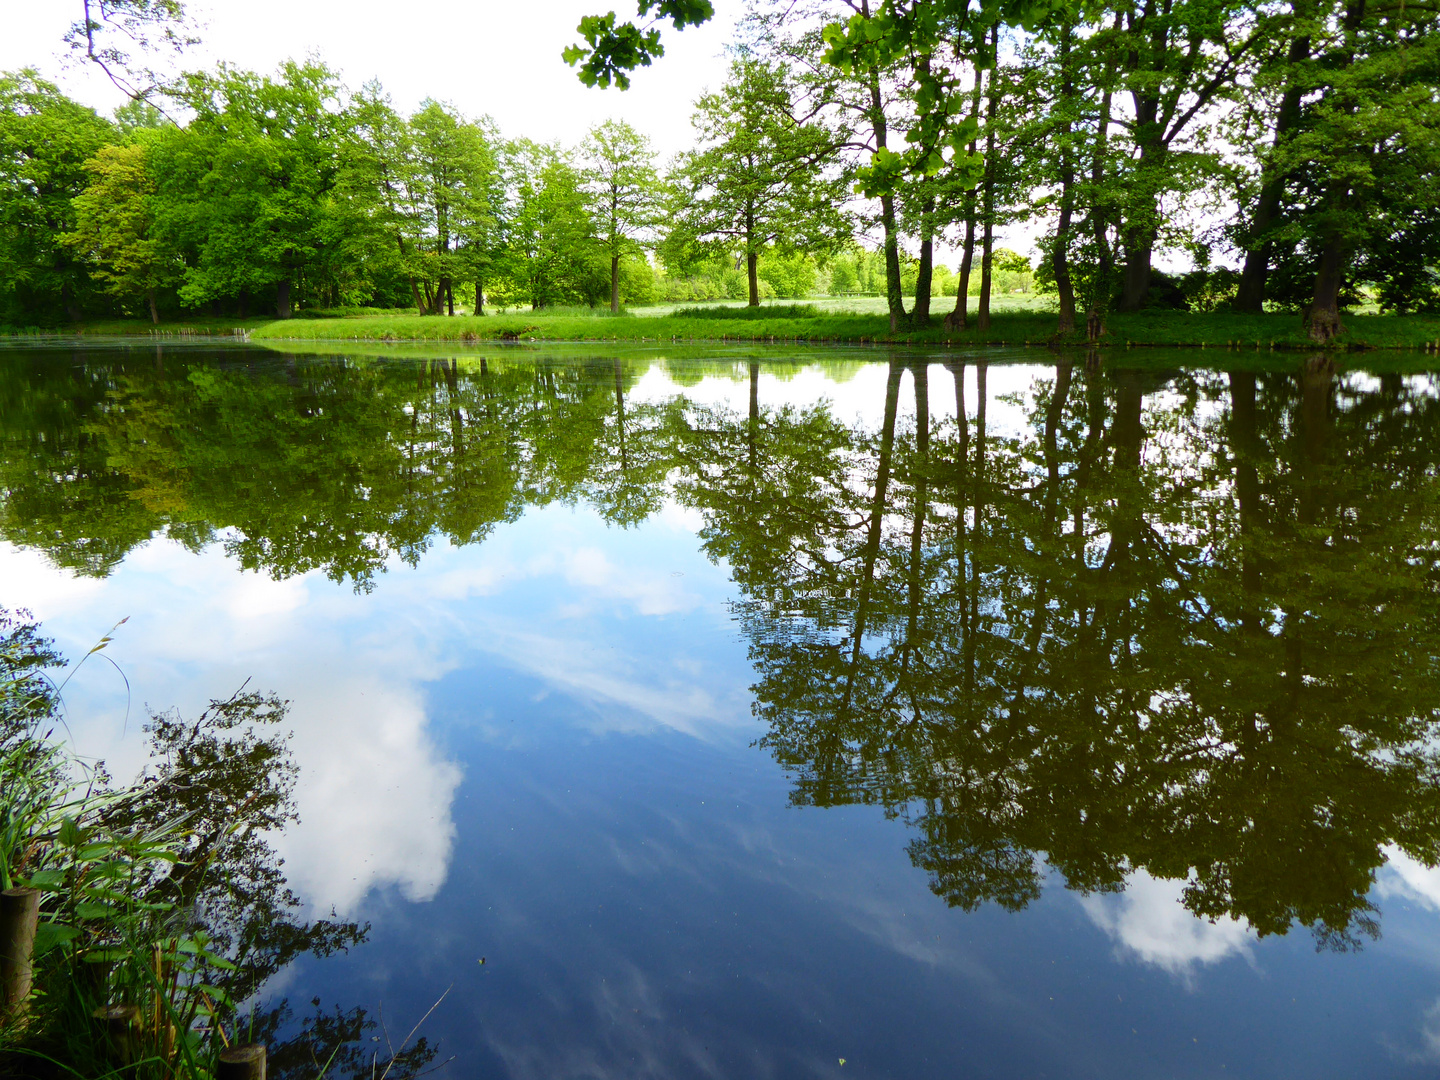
(1244, 449)
(877, 520)
(1315, 387)
(978, 496)
(920, 372)
(1053, 415)
(962, 467)
(1040, 593)
(451, 372)
(753, 428)
(1127, 435)
(1316, 384)
(620, 414)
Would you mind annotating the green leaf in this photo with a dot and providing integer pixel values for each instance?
(50, 934)
(48, 880)
(96, 911)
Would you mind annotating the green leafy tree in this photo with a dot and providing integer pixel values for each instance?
(251, 182)
(453, 187)
(45, 141)
(551, 254)
(621, 177)
(115, 226)
(760, 175)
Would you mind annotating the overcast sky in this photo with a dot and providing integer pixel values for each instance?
(484, 56)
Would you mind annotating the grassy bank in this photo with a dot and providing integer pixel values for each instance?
(816, 323)
(1281, 331)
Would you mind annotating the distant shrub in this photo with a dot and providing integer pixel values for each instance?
(767, 311)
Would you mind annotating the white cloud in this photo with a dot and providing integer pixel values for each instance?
(1149, 923)
(1408, 879)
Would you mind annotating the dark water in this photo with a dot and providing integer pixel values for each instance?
(833, 714)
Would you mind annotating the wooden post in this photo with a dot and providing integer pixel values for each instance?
(120, 1031)
(19, 915)
(243, 1062)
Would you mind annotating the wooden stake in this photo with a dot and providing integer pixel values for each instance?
(19, 915)
(120, 1028)
(244, 1062)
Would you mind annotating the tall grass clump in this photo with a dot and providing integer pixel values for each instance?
(163, 910)
(765, 311)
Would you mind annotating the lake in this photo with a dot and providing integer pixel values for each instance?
(731, 712)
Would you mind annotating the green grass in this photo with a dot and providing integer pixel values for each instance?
(1020, 321)
(1033, 328)
(200, 326)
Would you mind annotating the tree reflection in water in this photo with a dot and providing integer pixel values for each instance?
(1182, 621)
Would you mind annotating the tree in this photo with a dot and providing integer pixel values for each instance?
(1366, 152)
(453, 188)
(115, 226)
(118, 35)
(551, 254)
(249, 185)
(45, 141)
(620, 175)
(760, 175)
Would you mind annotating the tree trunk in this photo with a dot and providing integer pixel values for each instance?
(1322, 318)
(1135, 283)
(1099, 301)
(920, 313)
(1251, 297)
(967, 261)
(1060, 253)
(894, 290)
(615, 284)
(479, 298)
(282, 300)
(450, 297)
(154, 312)
(956, 319)
(987, 198)
(752, 260)
(244, 303)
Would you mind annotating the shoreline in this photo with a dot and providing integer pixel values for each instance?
(1271, 332)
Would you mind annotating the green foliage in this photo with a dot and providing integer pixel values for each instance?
(621, 179)
(759, 178)
(769, 311)
(614, 49)
(115, 227)
(163, 896)
(45, 141)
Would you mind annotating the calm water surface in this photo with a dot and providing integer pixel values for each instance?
(791, 715)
